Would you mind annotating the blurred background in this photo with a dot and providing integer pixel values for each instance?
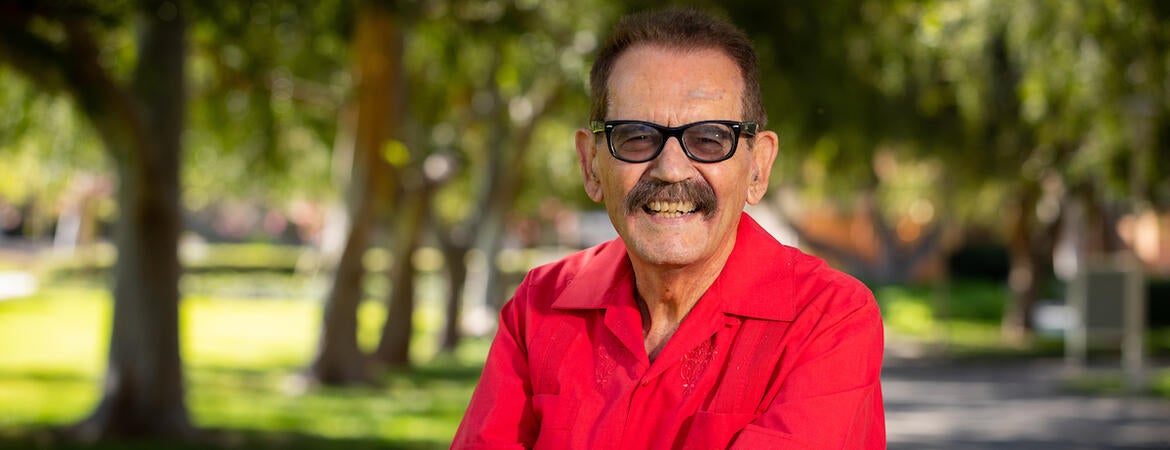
(290, 224)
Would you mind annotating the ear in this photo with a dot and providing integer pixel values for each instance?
(763, 154)
(587, 156)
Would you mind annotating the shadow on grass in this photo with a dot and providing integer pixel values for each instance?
(458, 373)
(45, 376)
(206, 439)
(212, 374)
(268, 408)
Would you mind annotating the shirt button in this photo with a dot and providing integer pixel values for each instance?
(645, 382)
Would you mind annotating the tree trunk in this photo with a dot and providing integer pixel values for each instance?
(394, 344)
(377, 51)
(504, 186)
(143, 391)
(455, 263)
(492, 231)
(893, 262)
(1030, 248)
(339, 359)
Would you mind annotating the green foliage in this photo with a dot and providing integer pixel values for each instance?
(964, 315)
(1113, 382)
(266, 85)
(194, 257)
(1045, 93)
(1161, 384)
(988, 91)
(977, 301)
(500, 86)
(245, 256)
(47, 151)
(991, 93)
(269, 82)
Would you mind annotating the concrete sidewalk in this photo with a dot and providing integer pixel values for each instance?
(1015, 404)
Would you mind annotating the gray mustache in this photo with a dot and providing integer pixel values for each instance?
(694, 191)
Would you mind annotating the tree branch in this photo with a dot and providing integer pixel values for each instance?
(35, 57)
(924, 246)
(73, 69)
(852, 262)
(108, 105)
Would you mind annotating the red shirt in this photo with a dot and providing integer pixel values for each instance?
(780, 352)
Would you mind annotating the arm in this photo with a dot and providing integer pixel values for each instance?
(500, 414)
(830, 397)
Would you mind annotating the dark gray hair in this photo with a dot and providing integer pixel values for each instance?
(684, 29)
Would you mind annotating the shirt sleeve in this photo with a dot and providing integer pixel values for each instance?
(500, 413)
(830, 397)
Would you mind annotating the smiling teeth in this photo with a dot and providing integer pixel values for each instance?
(670, 209)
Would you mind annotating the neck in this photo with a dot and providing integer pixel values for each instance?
(667, 294)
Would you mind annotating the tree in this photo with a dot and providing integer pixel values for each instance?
(271, 80)
(63, 169)
(140, 122)
(377, 57)
(1021, 105)
(839, 120)
(1044, 94)
(512, 89)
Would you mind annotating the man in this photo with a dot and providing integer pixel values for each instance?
(694, 329)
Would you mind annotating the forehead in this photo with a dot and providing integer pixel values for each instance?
(672, 86)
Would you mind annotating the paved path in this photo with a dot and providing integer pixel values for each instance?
(1011, 405)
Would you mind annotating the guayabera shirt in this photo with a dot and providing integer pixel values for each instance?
(780, 352)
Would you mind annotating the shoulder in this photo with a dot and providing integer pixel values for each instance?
(576, 281)
(557, 275)
(830, 291)
(767, 279)
(559, 294)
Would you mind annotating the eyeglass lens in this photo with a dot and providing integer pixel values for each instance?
(704, 141)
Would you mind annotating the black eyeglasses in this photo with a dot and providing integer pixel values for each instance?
(709, 141)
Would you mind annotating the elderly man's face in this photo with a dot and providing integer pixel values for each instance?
(670, 227)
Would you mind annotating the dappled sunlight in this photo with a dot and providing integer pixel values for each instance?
(248, 333)
(909, 317)
(56, 331)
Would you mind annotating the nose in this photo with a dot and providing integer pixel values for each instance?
(672, 165)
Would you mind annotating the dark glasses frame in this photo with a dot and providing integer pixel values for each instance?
(737, 129)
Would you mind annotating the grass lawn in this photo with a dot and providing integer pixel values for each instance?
(242, 358)
(963, 317)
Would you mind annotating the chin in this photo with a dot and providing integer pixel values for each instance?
(672, 253)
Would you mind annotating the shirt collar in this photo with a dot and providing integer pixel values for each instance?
(755, 282)
(603, 267)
